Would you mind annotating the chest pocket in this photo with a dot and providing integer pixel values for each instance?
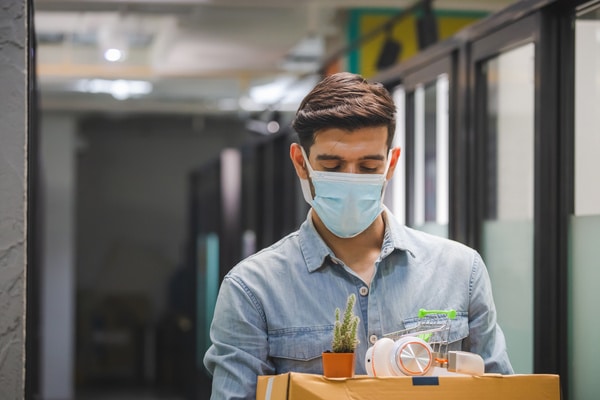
(459, 329)
(299, 349)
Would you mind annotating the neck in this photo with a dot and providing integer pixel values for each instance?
(360, 252)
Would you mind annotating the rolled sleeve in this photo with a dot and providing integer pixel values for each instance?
(485, 336)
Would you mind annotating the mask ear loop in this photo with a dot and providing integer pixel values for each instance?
(385, 180)
(306, 163)
(387, 166)
(304, 184)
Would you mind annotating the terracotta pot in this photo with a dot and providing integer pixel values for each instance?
(338, 365)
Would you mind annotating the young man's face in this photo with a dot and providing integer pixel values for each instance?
(362, 151)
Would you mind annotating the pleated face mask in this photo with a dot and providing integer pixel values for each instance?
(347, 203)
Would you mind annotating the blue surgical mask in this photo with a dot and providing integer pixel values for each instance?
(346, 203)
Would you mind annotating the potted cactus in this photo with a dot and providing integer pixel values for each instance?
(339, 362)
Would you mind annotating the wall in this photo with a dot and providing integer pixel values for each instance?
(13, 186)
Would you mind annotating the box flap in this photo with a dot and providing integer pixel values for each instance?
(296, 386)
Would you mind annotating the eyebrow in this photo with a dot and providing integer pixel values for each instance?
(325, 157)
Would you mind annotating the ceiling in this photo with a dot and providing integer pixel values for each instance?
(192, 56)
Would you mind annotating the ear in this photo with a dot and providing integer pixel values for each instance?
(298, 160)
(393, 162)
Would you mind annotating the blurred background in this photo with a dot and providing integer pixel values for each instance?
(163, 138)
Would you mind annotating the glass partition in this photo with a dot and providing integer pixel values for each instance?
(507, 231)
(584, 229)
(430, 151)
(395, 194)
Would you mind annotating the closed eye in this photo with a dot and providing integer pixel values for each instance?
(331, 165)
(361, 169)
(365, 166)
(369, 170)
(371, 166)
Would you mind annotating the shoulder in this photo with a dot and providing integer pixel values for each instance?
(280, 255)
(438, 250)
(270, 276)
(429, 240)
(418, 241)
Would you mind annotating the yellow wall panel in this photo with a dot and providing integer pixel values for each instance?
(364, 59)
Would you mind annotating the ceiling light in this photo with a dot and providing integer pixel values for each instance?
(113, 40)
(270, 92)
(264, 123)
(120, 89)
(272, 126)
(113, 55)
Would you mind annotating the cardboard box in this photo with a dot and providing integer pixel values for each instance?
(296, 386)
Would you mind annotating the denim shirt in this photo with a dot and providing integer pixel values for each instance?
(275, 309)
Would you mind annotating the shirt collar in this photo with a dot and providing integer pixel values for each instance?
(312, 245)
(315, 251)
(396, 236)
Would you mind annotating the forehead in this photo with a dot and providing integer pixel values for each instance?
(344, 143)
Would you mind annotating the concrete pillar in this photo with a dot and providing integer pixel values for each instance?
(13, 190)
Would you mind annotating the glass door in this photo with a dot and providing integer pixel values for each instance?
(395, 194)
(505, 133)
(426, 96)
(584, 224)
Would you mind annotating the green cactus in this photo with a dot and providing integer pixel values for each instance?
(345, 330)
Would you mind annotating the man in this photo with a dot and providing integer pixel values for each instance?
(275, 309)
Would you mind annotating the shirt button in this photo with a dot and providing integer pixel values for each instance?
(364, 291)
(373, 339)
